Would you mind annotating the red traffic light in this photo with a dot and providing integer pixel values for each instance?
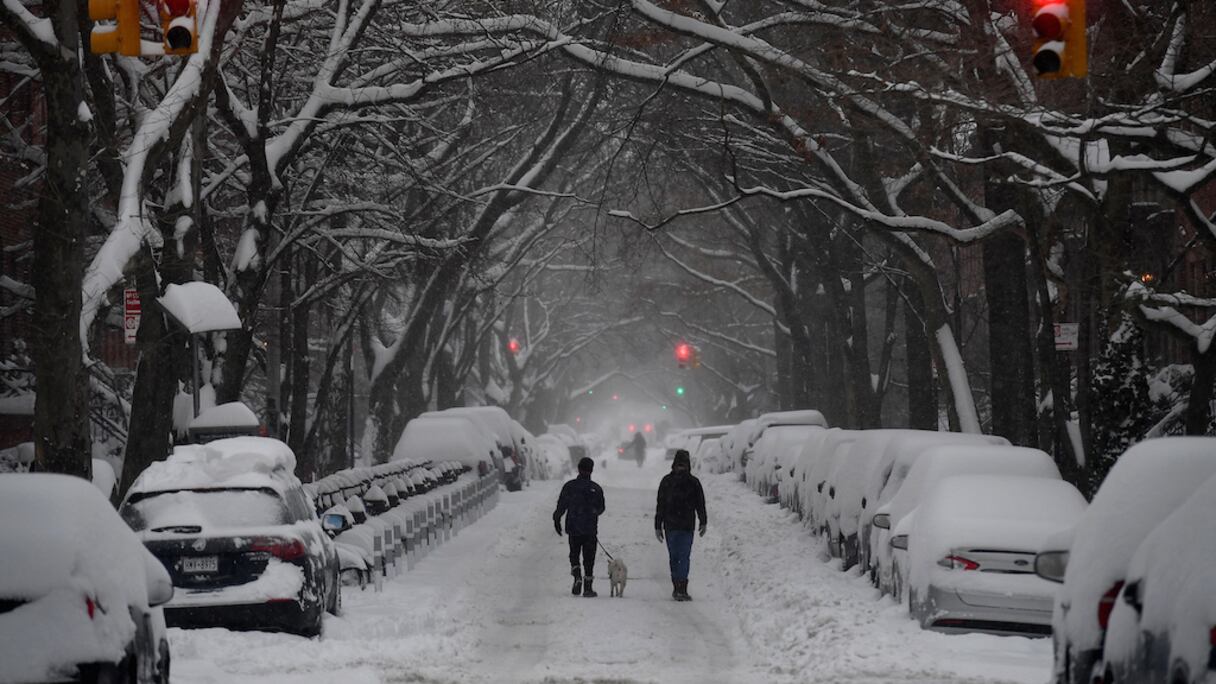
(1050, 20)
(513, 346)
(683, 354)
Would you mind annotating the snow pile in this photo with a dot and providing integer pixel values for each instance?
(199, 307)
(246, 462)
(1146, 484)
(17, 459)
(62, 543)
(103, 477)
(232, 414)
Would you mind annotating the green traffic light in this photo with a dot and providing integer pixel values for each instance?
(664, 407)
(679, 391)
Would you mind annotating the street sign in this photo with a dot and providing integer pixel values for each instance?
(130, 314)
(1066, 336)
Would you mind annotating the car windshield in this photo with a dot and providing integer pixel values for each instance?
(205, 508)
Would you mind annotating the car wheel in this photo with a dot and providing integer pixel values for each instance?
(162, 664)
(335, 605)
(312, 628)
(109, 673)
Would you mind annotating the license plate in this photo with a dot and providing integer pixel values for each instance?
(201, 564)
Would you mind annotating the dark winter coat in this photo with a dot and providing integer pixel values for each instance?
(582, 502)
(681, 502)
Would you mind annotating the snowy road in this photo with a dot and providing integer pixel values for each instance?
(493, 605)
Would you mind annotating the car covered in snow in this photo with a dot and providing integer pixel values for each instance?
(775, 419)
(845, 486)
(773, 454)
(1164, 627)
(1145, 485)
(448, 437)
(932, 466)
(496, 424)
(971, 550)
(239, 536)
(887, 475)
(79, 594)
(734, 442)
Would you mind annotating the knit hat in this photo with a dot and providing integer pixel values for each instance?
(681, 460)
(586, 465)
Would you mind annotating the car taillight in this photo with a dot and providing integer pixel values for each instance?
(958, 563)
(1107, 603)
(90, 606)
(283, 549)
(773, 491)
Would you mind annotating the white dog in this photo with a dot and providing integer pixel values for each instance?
(617, 574)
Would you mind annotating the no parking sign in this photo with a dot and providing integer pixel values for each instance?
(130, 314)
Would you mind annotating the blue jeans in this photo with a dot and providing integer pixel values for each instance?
(679, 546)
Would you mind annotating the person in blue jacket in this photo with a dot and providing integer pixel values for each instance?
(681, 502)
(582, 502)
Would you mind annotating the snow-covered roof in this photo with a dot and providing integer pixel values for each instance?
(237, 462)
(200, 307)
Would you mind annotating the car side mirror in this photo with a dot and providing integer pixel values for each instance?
(1050, 565)
(160, 585)
(900, 541)
(334, 523)
(882, 521)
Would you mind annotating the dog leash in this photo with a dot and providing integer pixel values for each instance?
(597, 541)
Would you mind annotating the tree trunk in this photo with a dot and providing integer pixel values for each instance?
(1199, 404)
(922, 390)
(61, 408)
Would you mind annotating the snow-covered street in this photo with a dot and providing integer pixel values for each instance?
(493, 605)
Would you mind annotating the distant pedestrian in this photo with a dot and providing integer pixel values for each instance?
(582, 502)
(681, 502)
(639, 448)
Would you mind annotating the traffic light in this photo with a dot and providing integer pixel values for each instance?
(178, 26)
(1060, 47)
(123, 36)
(683, 354)
(680, 391)
(513, 346)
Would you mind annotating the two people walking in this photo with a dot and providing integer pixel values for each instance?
(679, 507)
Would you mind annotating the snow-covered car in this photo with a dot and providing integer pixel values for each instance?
(1148, 482)
(777, 448)
(766, 421)
(971, 550)
(447, 438)
(1164, 628)
(691, 439)
(552, 451)
(734, 442)
(887, 475)
(80, 597)
(836, 446)
(845, 486)
(932, 465)
(238, 535)
(708, 456)
(494, 423)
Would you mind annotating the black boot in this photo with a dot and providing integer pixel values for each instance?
(675, 589)
(588, 592)
(578, 580)
(683, 591)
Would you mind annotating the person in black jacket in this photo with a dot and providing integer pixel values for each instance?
(582, 502)
(681, 502)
